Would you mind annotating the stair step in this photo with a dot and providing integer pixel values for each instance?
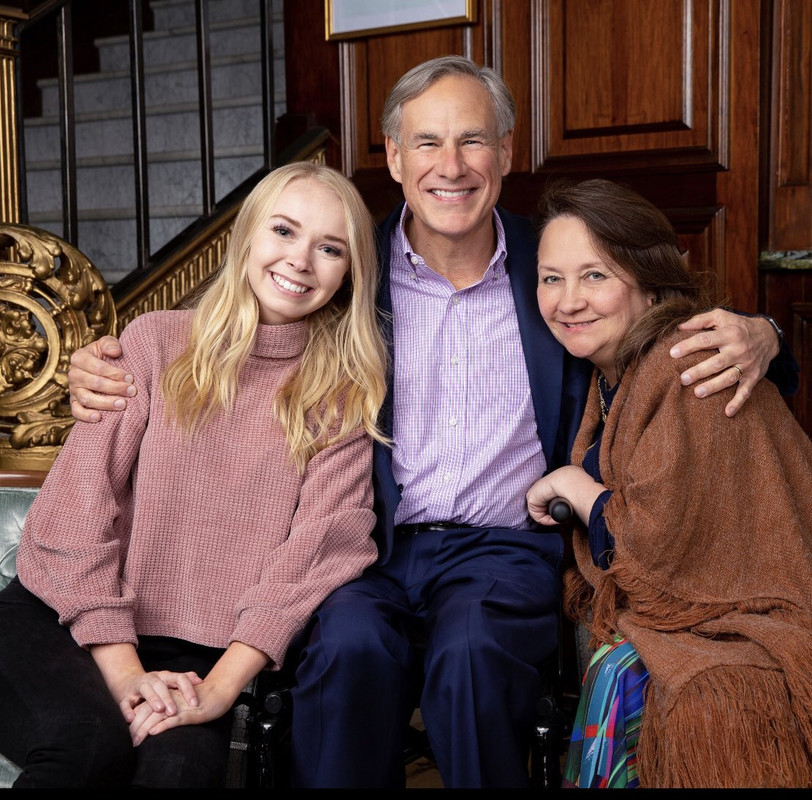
(173, 181)
(116, 214)
(235, 123)
(169, 14)
(169, 84)
(229, 38)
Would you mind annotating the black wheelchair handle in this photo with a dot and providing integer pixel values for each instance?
(560, 510)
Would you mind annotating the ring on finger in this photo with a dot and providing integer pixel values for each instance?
(739, 370)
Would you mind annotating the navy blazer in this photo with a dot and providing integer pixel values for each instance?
(558, 382)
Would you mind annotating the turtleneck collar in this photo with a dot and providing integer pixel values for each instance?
(280, 341)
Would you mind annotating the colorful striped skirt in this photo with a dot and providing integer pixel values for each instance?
(603, 746)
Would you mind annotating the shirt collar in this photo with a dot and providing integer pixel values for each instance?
(412, 260)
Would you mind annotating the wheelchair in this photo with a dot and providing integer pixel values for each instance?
(260, 755)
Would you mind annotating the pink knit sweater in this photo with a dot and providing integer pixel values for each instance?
(139, 530)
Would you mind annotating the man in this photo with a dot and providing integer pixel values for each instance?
(465, 587)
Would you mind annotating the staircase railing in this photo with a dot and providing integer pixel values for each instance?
(61, 12)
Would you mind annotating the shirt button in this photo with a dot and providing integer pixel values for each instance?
(453, 422)
(454, 360)
(415, 260)
(455, 300)
(447, 477)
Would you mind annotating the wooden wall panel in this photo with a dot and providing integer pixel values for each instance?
(737, 187)
(625, 83)
(786, 279)
(514, 58)
(791, 174)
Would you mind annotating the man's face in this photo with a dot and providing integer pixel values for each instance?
(450, 161)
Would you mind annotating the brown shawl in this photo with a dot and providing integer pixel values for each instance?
(711, 578)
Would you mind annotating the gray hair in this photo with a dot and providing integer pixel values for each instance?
(421, 77)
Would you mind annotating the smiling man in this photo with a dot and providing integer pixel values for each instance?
(483, 401)
(451, 167)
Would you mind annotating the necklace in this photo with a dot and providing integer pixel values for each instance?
(601, 385)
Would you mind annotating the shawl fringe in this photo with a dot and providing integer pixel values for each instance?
(713, 594)
(765, 747)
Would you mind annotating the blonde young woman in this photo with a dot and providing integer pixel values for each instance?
(176, 550)
(694, 532)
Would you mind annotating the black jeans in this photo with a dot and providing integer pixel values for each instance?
(61, 725)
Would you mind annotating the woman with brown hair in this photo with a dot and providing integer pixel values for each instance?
(693, 537)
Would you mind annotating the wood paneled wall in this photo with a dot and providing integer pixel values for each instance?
(790, 208)
(698, 104)
(786, 277)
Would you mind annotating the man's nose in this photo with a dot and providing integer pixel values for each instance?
(452, 163)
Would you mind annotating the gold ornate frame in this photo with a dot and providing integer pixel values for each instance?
(352, 19)
(52, 301)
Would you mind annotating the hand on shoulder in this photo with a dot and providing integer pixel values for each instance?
(739, 347)
(96, 384)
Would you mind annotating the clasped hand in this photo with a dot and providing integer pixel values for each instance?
(209, 705)
(152, 697)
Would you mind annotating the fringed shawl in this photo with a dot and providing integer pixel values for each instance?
(711, 578)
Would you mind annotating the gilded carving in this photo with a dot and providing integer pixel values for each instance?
(52, 301)
(173, 285)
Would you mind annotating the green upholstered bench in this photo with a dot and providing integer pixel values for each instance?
(14, 504)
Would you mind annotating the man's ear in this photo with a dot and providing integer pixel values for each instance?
(393, 158)
(506, 152)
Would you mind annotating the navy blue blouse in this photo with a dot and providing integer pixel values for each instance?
(601, 541)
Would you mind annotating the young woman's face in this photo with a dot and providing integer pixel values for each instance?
(299, 257)
(587, 301)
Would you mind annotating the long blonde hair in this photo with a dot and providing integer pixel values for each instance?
(341, 382)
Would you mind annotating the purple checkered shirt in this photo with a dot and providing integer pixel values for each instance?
(466, 445)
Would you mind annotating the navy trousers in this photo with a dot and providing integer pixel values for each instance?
(60, 724)
(476, 611)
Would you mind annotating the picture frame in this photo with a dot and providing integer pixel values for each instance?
(353, 19)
